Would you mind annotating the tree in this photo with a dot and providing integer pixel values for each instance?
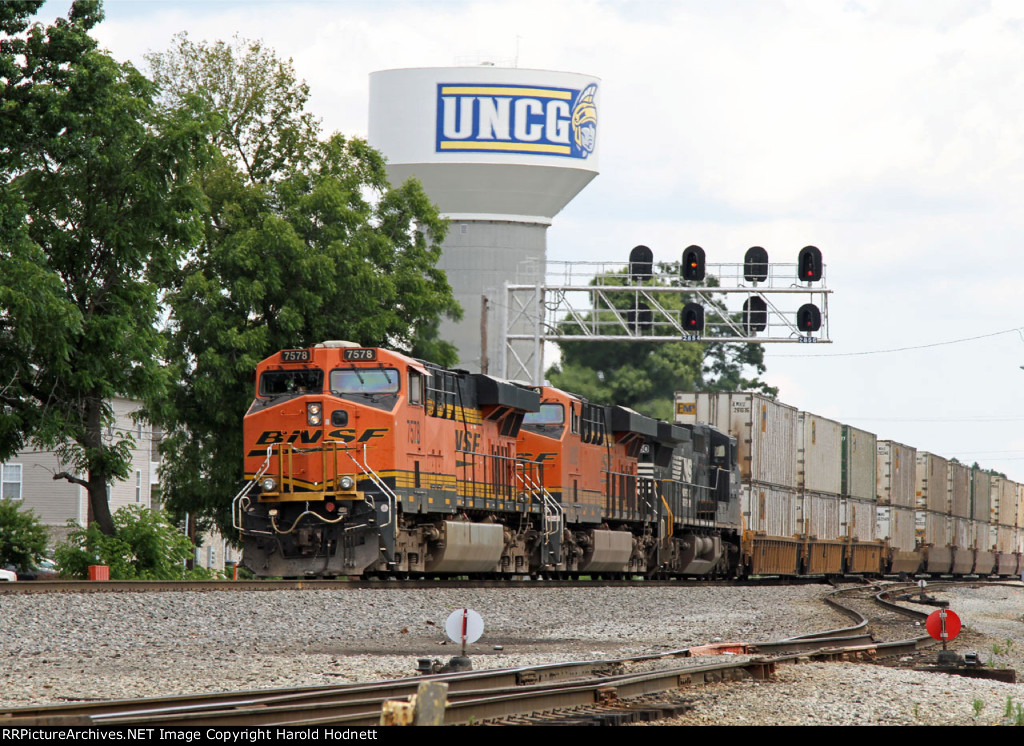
(147, 546)
(23, 537)
(645, 375)
(304, 241)
(94, 200)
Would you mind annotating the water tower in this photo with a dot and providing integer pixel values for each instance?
(500, 151)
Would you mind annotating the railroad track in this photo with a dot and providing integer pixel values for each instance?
(601, 691)
(245, 586)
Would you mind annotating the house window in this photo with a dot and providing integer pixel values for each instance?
(10, 481)
(138, 486)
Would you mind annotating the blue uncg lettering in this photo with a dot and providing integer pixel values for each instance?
(466, 118)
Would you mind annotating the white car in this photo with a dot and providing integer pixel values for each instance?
(8, 575)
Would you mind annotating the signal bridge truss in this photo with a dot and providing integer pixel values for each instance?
(600, 302)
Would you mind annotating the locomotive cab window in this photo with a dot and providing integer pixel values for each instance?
(415, 387)
(368, 381)
(375, 387)
(548, 421)
(275, 383)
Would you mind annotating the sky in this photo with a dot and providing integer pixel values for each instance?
(888, 133)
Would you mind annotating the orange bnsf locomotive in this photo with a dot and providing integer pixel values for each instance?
(364, 461)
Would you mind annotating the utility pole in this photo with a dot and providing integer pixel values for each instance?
(483, 335)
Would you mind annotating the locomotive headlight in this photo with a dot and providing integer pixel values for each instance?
(313, 413)
(347, 483)
(269, 484)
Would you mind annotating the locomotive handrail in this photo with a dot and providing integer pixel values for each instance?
(389, 494)
(243, 494)
(549, 505)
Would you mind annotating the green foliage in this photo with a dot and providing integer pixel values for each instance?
(978, 704)
(23, 538)
(645, 375)
(145, 547)
(304, 241)
(94, 202)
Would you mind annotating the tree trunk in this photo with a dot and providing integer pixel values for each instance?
(98, 504)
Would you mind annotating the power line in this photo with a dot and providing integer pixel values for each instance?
(903, 349)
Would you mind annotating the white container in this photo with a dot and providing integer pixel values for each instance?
(860, 465)
(984, 539)
(963, 533)
(1003, 508)
(897, 474)
(932, 528)
(819, 464)
(1005, 539)
(770, 509)
(818, 516)
(981, 495)
(959, 490)
(896, 525)
(857, 518)
(765, 431)
(932, 476)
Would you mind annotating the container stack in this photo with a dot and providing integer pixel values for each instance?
(932, 513)
(961, 525)
(981, 506)
(859, 500)
(819, 481)
(896, 514)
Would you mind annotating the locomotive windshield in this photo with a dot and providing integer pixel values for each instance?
(364, 381)
(301, 381)
(548, 421)
(549, 414)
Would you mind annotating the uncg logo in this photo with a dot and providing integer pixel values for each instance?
(516, 119)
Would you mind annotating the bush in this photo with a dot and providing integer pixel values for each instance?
(146, 547)
(23, 538)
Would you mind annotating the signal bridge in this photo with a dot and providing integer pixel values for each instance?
(754, 301)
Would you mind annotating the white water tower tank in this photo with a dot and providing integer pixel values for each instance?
(500, 151)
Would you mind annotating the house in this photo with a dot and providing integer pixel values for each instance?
(28, 478)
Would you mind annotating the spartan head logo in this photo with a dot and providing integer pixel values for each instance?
(584, 120)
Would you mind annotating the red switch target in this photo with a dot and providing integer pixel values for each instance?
(938, 620)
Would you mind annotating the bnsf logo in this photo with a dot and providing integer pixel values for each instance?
(309, 437)
(517, 119)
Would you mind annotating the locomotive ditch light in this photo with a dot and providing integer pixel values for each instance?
(693, 264)
(269, 484)
(347, 483)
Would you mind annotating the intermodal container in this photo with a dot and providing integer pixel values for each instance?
(897, 474)
(932, 483)
(819, 455)
(896, 524)
(770, 509)
(818, 515)
(959, 490)
(857, 519)
(860, 465)
(981, 495)
(765, 431)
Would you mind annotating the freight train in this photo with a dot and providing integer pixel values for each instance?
(363, 461)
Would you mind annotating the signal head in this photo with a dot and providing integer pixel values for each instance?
(809, 266)
(693, 264)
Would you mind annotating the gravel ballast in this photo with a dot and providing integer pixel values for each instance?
(61, 647)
